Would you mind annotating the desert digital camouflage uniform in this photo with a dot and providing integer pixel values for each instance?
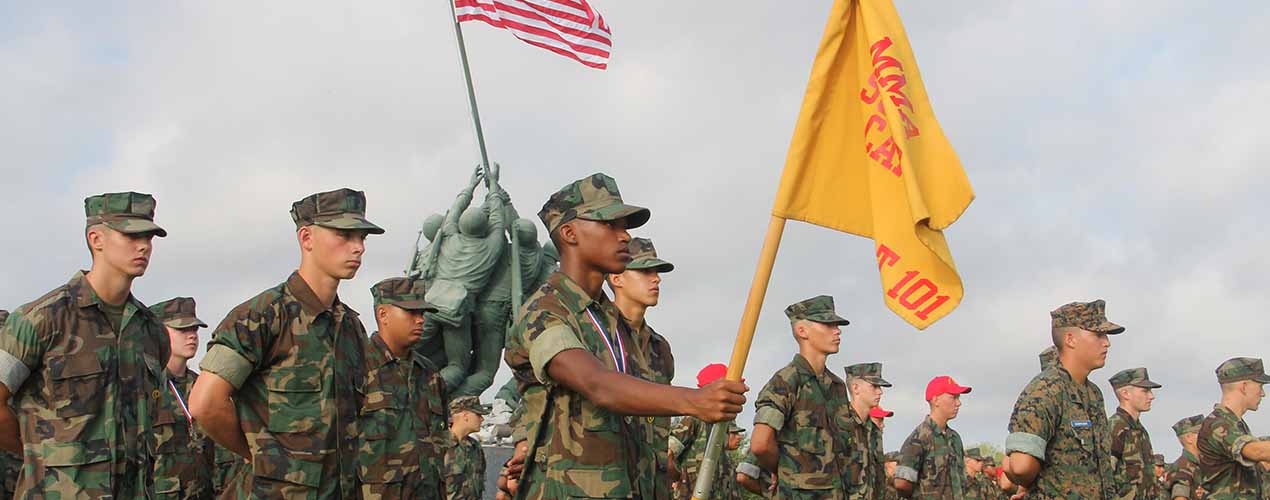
(934, 461)
(865, 472)
(297, 367)
(404, 421)
(1225, 473)
(1062, 424)
(464, 458)
(688, 443)
(183, 460)
(652, 352)
(1131, 453)
(810, 414)
(10, 463)
(576, 448)
(86, 390)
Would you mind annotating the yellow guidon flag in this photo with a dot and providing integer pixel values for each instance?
(869, 158)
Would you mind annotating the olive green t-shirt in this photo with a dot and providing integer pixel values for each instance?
(114, 314)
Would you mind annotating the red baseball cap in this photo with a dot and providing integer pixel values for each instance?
(710, 373)
(943, 384)
(878, 412)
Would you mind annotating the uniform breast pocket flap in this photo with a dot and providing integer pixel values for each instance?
(76, 383)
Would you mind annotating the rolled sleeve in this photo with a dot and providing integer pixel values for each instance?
(676, 447)
(1026, 443)
(227, 364)
(770, 417)
(906, 473)
(1180, 490)
(1237, 450)
(546, 345)
(12, 372)
(749, 469)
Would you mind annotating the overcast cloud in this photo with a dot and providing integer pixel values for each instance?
(1117, 150)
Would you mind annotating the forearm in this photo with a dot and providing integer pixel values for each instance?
(750, 484)
(1023, 469)
(220, 422)
(626, 395)
(1257, 451)
(904, 488)
(10, 440)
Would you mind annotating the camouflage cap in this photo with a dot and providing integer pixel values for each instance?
(735, 429)
(1136, 377)
(891, 456)
(405, 293)
(339, 209)
(869, 372)
(974, 454)
(818, 309)
(468, 403)
(644, 257)
(1188, 425)
(1090, 316)
(592, 198)
(989, 461)
(1240, 369)
(127, 212)
(4, 316)
(1049, 357)
(1157, 459)
(178, 313)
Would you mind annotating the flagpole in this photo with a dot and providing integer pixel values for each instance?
(741, 351)
(480, 144)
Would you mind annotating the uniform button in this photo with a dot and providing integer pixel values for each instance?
(155, 394)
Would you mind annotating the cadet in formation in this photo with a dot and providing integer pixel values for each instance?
(1131, 452)
(865, 474)
(291, 359)
(752, 478)
(83, 366)
(1183, 481)
(687, 442)
(932, 459)
(977, 485)
(10, 462)
(1228, 452)
(1058, 444)
(578, 369)
(184, 456)
(635, 290)
(802, 414)
(464, 458)
(404, 415)
(688, 462)
(891, 461)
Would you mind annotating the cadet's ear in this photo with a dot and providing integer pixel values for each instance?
(567, 234)
(304, 235)
(615, 280)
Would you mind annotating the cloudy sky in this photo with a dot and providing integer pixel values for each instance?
(1116, 149)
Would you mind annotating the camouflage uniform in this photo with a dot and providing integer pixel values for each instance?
(10, 463)
(749, 467)
(576, 448)
(227, 465)
(183, 460)
(1225, 473)
(891, 493)
(464, 459)
(86, 392)
(865, 474)
(652, 352)
(1048, 358)
(1131, 452)
(934, 461)
(403, 422)
(297, 366)
(809, 413)
(688, 444)
(1062, 424)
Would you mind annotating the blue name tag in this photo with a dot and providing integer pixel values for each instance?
(1081, 424)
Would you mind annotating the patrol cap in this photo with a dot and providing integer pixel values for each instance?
(1157, 459)
(974, 454)
(468, 403)
(1240, 369)
(989, 461)
(644, 257)
(596, 198)
(868, 372)
(342, 208)
(1136, 377)
(1188, 425)
(1090, 316)
(878, 412)
(178, 313)
(891, 456)
(127, 212)
(1049, 357)
(735, 429)
(405, 293)
(712, 372)
(943, 384)
(818, 309)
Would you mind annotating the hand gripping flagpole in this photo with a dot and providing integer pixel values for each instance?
(740, 353)
(480, 144)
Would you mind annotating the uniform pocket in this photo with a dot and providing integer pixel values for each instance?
(77, 384)
(285, 477)
(295, 399)
(591, 482)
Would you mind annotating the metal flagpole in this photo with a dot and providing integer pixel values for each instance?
(480, 144)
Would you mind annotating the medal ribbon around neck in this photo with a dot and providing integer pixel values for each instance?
(621, 365)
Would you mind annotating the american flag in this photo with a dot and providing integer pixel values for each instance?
(570, 28)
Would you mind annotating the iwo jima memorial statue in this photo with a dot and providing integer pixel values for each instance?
(478, 263)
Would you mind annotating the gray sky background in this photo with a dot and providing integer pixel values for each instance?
(1116, 149)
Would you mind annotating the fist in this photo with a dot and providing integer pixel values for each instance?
(719, 401)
